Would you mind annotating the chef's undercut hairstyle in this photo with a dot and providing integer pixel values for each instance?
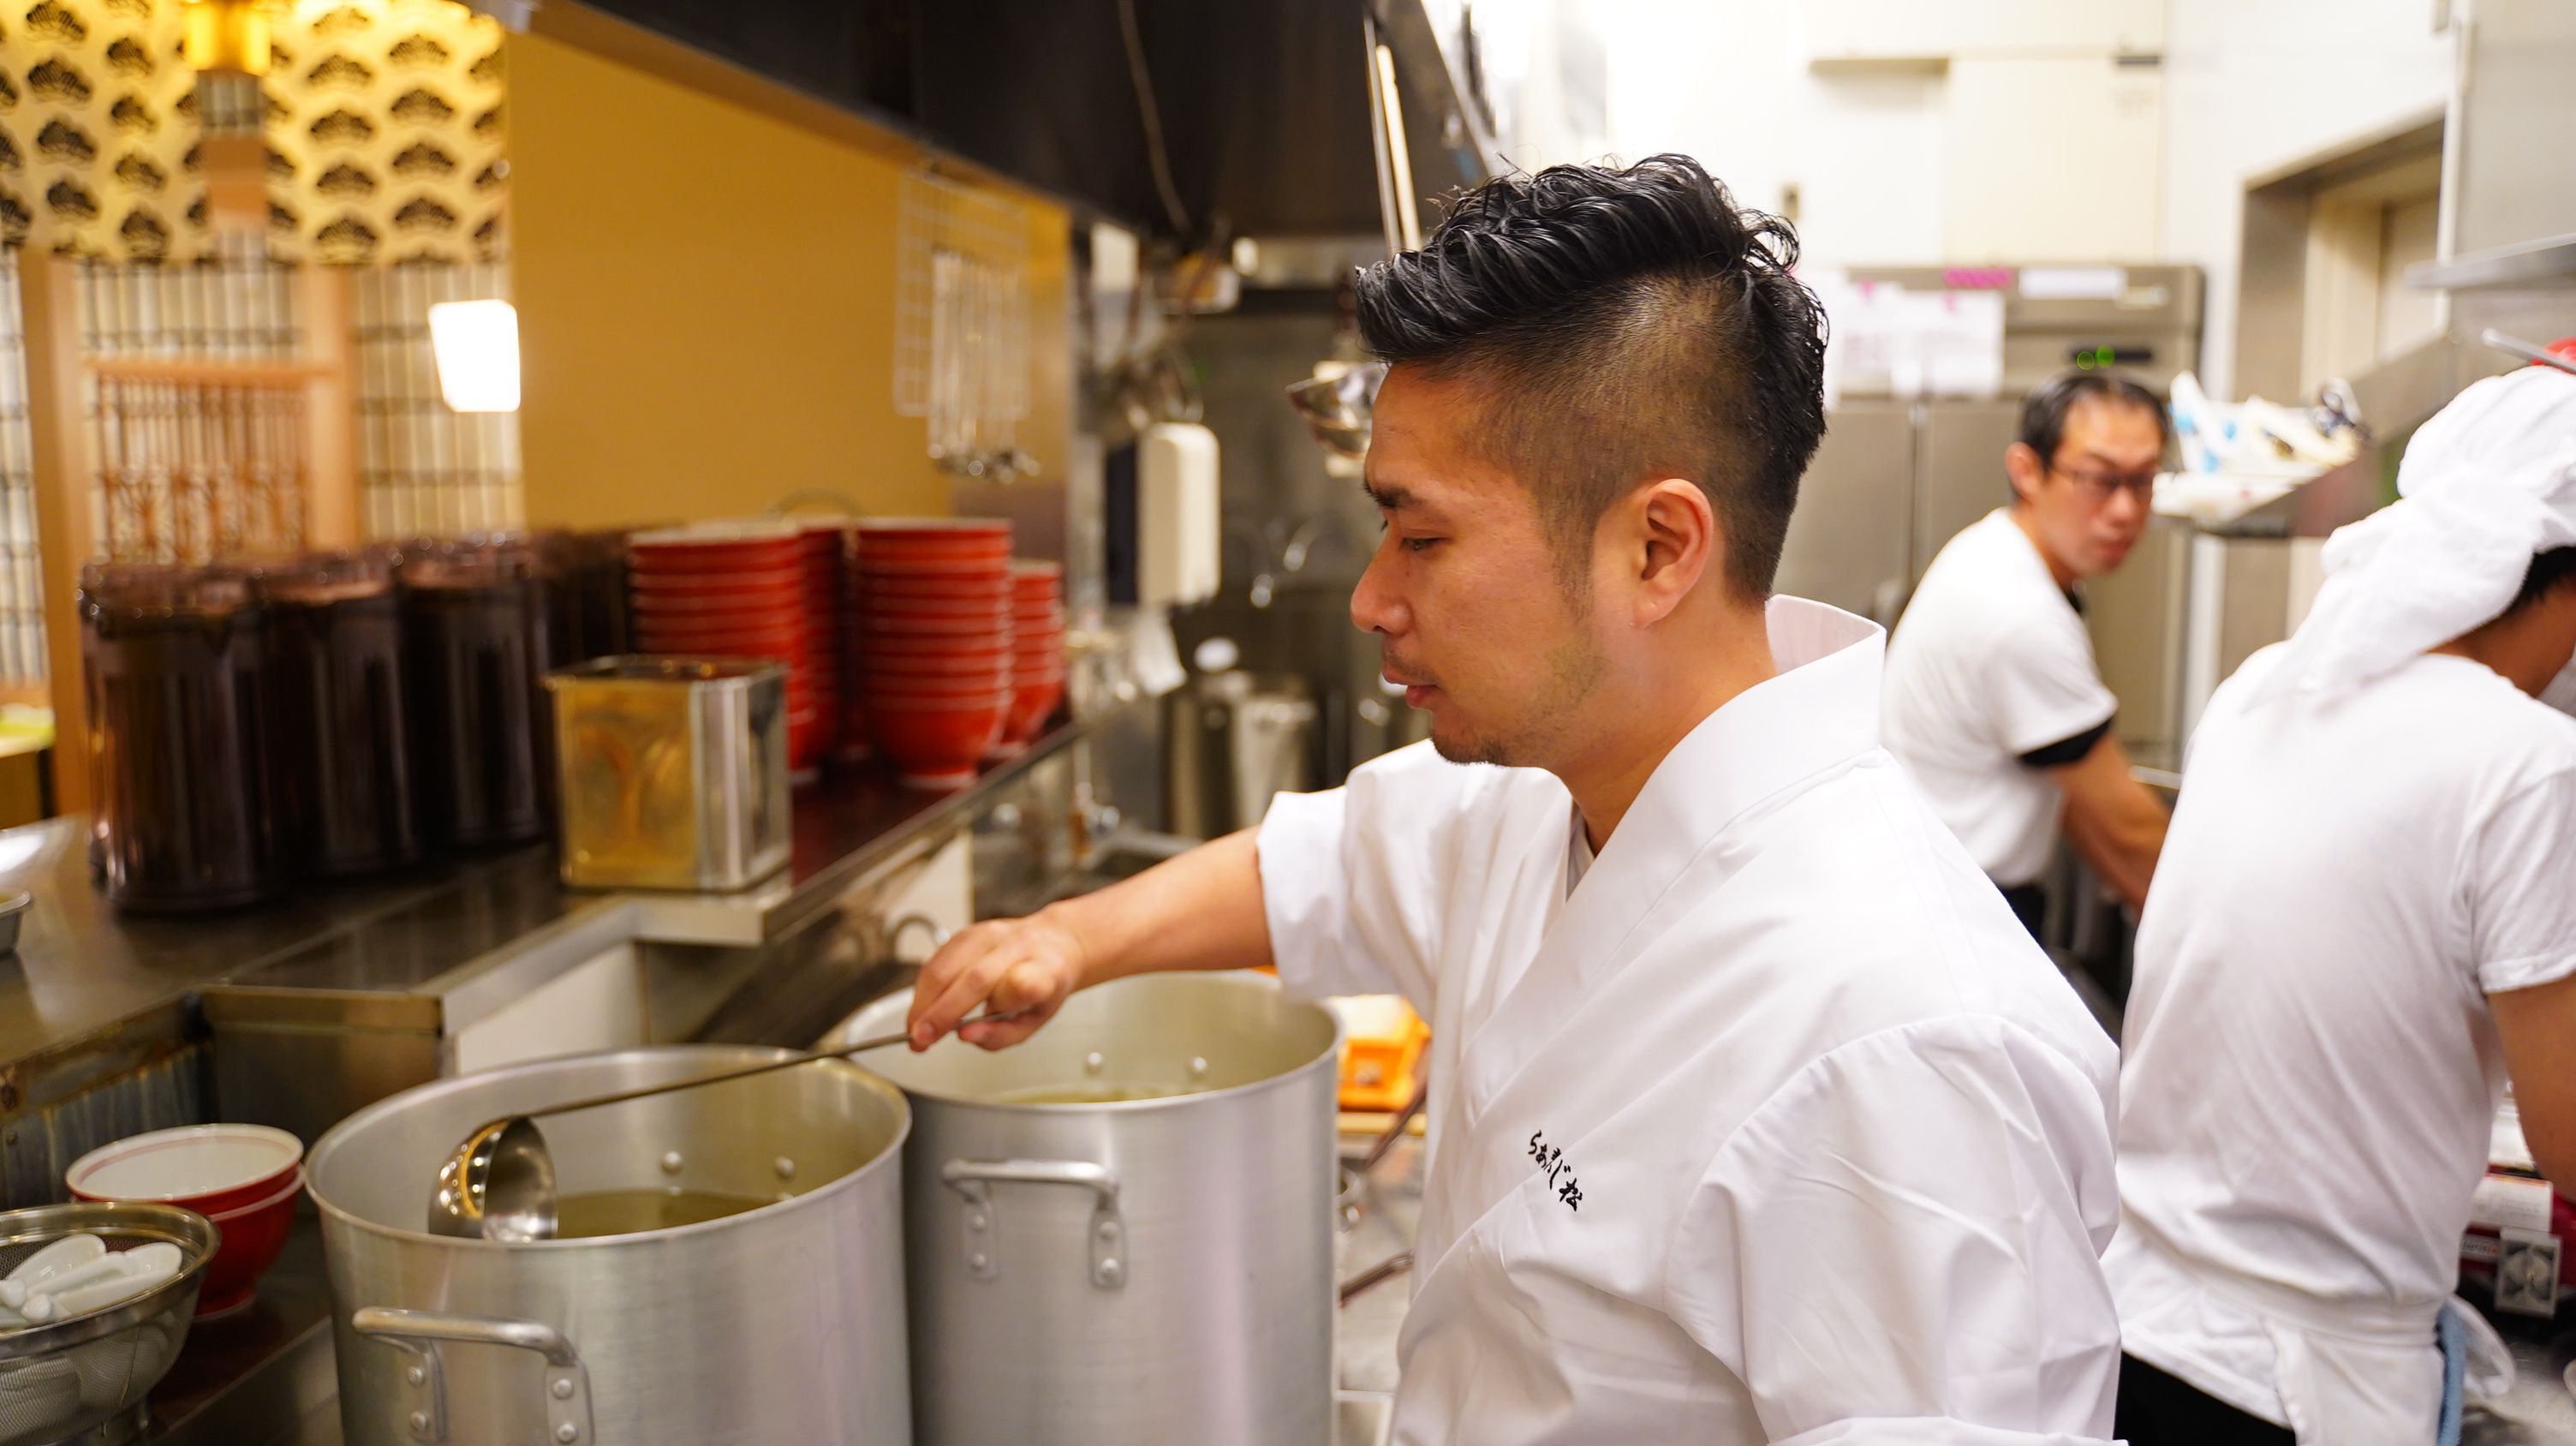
(2044, 412)
(1623, 325)
(2549, 572)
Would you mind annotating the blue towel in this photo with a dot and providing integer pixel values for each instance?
(2455, 1365)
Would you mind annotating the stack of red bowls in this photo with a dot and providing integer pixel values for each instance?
(733, 589)
(934, 621)
(854, 743)
(820, 549)
(1037, 650)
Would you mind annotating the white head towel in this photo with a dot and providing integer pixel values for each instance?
(2488, 484)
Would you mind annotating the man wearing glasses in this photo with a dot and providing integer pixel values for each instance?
(1993, 701)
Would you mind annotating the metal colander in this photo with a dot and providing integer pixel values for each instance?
(63, 1381)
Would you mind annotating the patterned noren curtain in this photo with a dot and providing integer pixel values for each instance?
(384, 124)
(97, 126)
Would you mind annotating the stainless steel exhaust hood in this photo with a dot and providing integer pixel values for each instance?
(1261, 107)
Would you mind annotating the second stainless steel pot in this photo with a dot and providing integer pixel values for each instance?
(783, 1323)
(1090, 1271)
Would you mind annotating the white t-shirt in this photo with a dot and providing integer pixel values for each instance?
(2311, 1066)
(1991, 662)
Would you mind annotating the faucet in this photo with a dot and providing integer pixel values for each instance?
(1292, 558)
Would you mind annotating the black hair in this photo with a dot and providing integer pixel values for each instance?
(1631, 323)
(2549, 571)
(2044, 412)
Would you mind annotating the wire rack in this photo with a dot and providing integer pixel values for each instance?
(423, 469)
(22, 592)
(962, 321)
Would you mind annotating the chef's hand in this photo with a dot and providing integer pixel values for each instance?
(1201, 910)
(1022, 967)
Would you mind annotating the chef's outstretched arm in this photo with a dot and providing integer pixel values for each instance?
(1201, 910)
(2522, 927)
(2116, 823)
(2538, 1029)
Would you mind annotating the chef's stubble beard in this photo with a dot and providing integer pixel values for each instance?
(1574, 669)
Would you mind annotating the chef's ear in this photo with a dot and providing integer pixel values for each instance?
(2023, 467)
(1681, 539)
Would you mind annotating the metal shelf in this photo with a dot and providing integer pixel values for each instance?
(2548, 263)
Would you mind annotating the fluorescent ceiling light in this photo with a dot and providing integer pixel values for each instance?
(477, 345)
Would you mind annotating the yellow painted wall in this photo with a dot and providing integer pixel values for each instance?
(706, 304)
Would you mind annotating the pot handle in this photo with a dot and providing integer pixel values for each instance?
(975, 1179)
(419, 1333)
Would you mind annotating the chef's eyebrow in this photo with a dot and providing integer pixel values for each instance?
(1388, 496)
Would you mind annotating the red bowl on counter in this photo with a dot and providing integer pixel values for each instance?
(902, 617)
(716, 547)
(879, 625)
(942, 664)
(779, 645)
(1033, 702)
(933, 531)
(962, 587)
(871, 550)
(975, 555)
(936, 743)
(204, 1167)
(245, 1178)
(922, 685)
(900, 642)
(253, 1237)
(887, 663)
(871, 595)
(786, 578)
(714, 612)
(873, 566)
(675, 564)
(942, 691)
(791, 623)
(971, 595)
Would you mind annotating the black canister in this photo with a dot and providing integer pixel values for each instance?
(474, 648)
(607, 625)
(337, 725)
(174, 661)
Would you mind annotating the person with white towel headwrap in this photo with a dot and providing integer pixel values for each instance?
(2363, 924)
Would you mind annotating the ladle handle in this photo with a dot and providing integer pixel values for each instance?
(1395, 1130)
(839, 1052)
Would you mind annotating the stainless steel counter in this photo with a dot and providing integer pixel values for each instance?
(95, 998)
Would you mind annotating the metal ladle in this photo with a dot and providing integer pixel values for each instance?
(499, 1184)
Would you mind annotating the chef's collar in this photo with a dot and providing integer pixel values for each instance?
(1818, 710)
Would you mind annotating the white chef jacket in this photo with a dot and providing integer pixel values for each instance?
(2312, 1066)
(1778, 1128)
(1991, 662)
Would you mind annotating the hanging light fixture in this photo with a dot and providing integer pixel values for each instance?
(477, 347)
(227, 35)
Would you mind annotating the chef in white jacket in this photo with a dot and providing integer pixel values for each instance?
(2364, 921)
(1759, 1117)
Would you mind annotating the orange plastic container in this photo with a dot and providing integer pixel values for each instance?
(1382, 1049)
